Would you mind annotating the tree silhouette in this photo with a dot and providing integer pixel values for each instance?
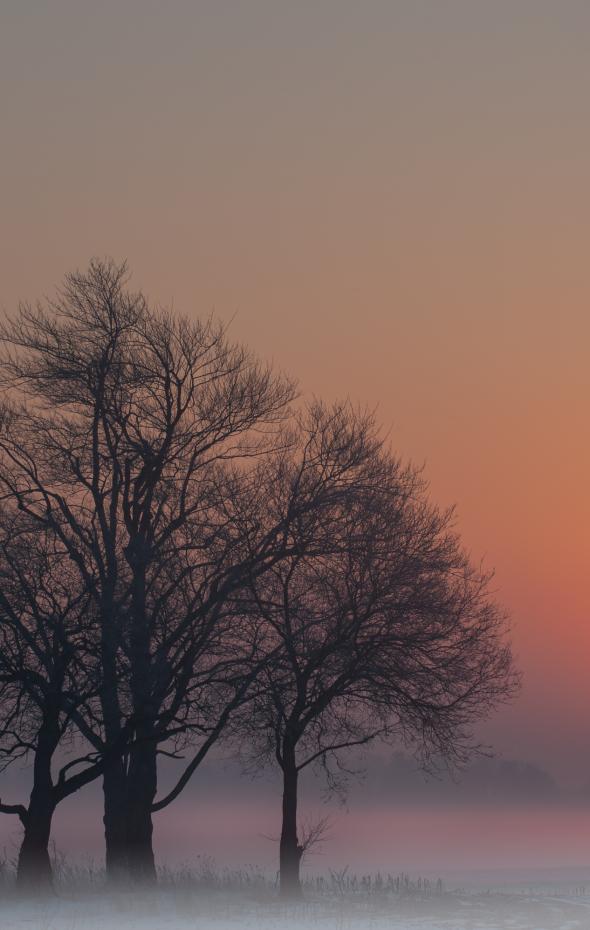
(119, 439)
(47, 676)
(384, 630)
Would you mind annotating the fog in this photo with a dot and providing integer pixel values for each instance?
(498, 821)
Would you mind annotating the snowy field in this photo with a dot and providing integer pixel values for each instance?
(180, 909)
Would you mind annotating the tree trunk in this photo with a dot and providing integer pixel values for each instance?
(115, 775)
(290, 850)
(142, 772)
(114, 819)
(34, 871)
(141, 791)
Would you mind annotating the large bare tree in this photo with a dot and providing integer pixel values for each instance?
(123, 430)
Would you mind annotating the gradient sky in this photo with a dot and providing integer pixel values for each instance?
(392, 201)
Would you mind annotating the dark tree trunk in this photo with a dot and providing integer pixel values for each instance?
(34, 865)
(115, 821)
(290, 851)
(34, 871)
(142, 770)
(115, 775)
(141, 791)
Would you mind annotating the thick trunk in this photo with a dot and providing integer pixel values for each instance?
(34, 865)
(115, 776)
(34, 871)
(115, 826)
(141, 791)
(290, 851)
(142, 770)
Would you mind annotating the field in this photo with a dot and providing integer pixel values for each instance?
(224, 900)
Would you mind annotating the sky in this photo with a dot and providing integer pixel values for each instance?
(388, 199)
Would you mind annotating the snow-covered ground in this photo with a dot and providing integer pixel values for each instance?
(180, 909)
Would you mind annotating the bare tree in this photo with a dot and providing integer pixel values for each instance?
(380, 629)
(121, 429)
(47, 674)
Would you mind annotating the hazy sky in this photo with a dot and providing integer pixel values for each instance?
(392, 201)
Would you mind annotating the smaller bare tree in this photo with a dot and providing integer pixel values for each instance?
(380, 628)
(47, 677)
